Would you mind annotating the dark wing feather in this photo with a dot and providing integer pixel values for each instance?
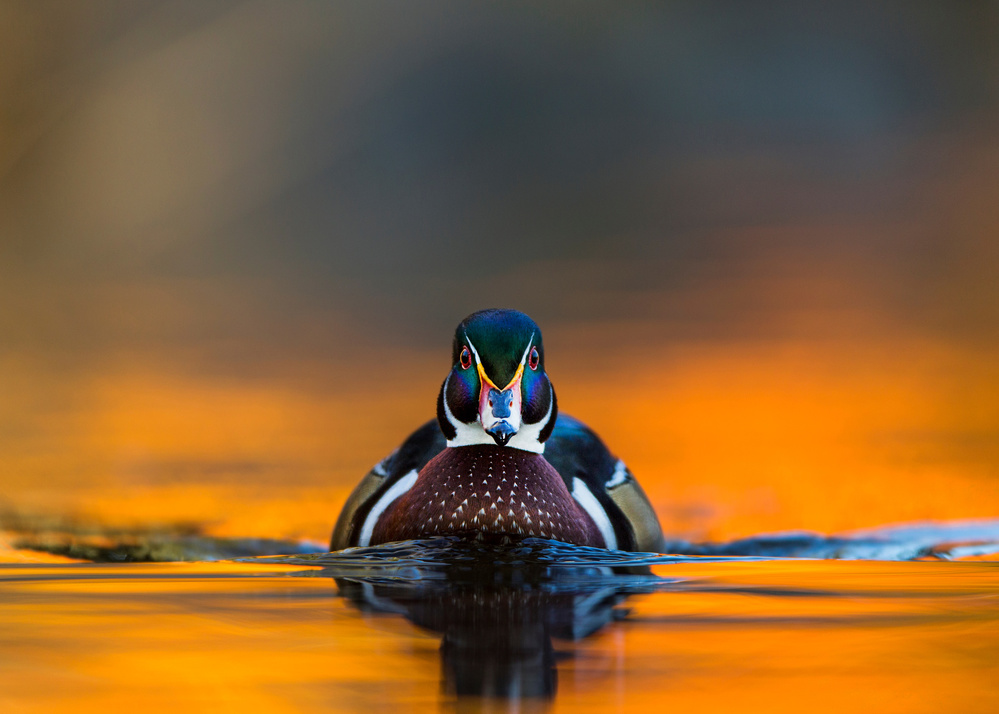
(577, 452)
(421, 446)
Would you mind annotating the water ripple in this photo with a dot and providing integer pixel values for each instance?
(531, 561)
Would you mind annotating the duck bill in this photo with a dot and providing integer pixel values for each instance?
(499, 409)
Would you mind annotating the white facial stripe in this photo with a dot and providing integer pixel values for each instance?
(447, 410)
(523, 357)
(474, 351)
(398, 488)
(585, 498)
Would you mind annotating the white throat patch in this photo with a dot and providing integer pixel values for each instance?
(525, 439)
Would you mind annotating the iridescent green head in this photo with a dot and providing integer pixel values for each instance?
(497, 390)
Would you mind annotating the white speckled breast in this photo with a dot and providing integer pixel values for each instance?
(487, 489)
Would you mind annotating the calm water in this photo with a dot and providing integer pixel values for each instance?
(535, 626)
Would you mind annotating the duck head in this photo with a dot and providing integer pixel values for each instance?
(497, 391)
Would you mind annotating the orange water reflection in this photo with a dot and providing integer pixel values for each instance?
(777, 636)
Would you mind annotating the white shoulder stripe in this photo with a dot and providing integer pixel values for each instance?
(398, 488)
(381, 468)
(585, 498)
(620, 475)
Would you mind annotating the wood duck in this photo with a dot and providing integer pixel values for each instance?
(499, 459)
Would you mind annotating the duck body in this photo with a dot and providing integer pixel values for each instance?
(487, 489)
(500, 461)
(377, 512)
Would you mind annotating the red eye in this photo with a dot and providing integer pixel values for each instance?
(466, 358)
(533, 359)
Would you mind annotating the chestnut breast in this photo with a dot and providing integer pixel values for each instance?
(468, 490)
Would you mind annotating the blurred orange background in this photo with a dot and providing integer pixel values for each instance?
(235, 240)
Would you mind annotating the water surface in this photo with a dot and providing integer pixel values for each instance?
(532, 626)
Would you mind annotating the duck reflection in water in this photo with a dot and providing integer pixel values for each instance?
(498, 606)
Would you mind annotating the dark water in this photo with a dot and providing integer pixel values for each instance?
(535, 625)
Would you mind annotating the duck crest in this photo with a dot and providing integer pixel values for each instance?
(484, 489)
